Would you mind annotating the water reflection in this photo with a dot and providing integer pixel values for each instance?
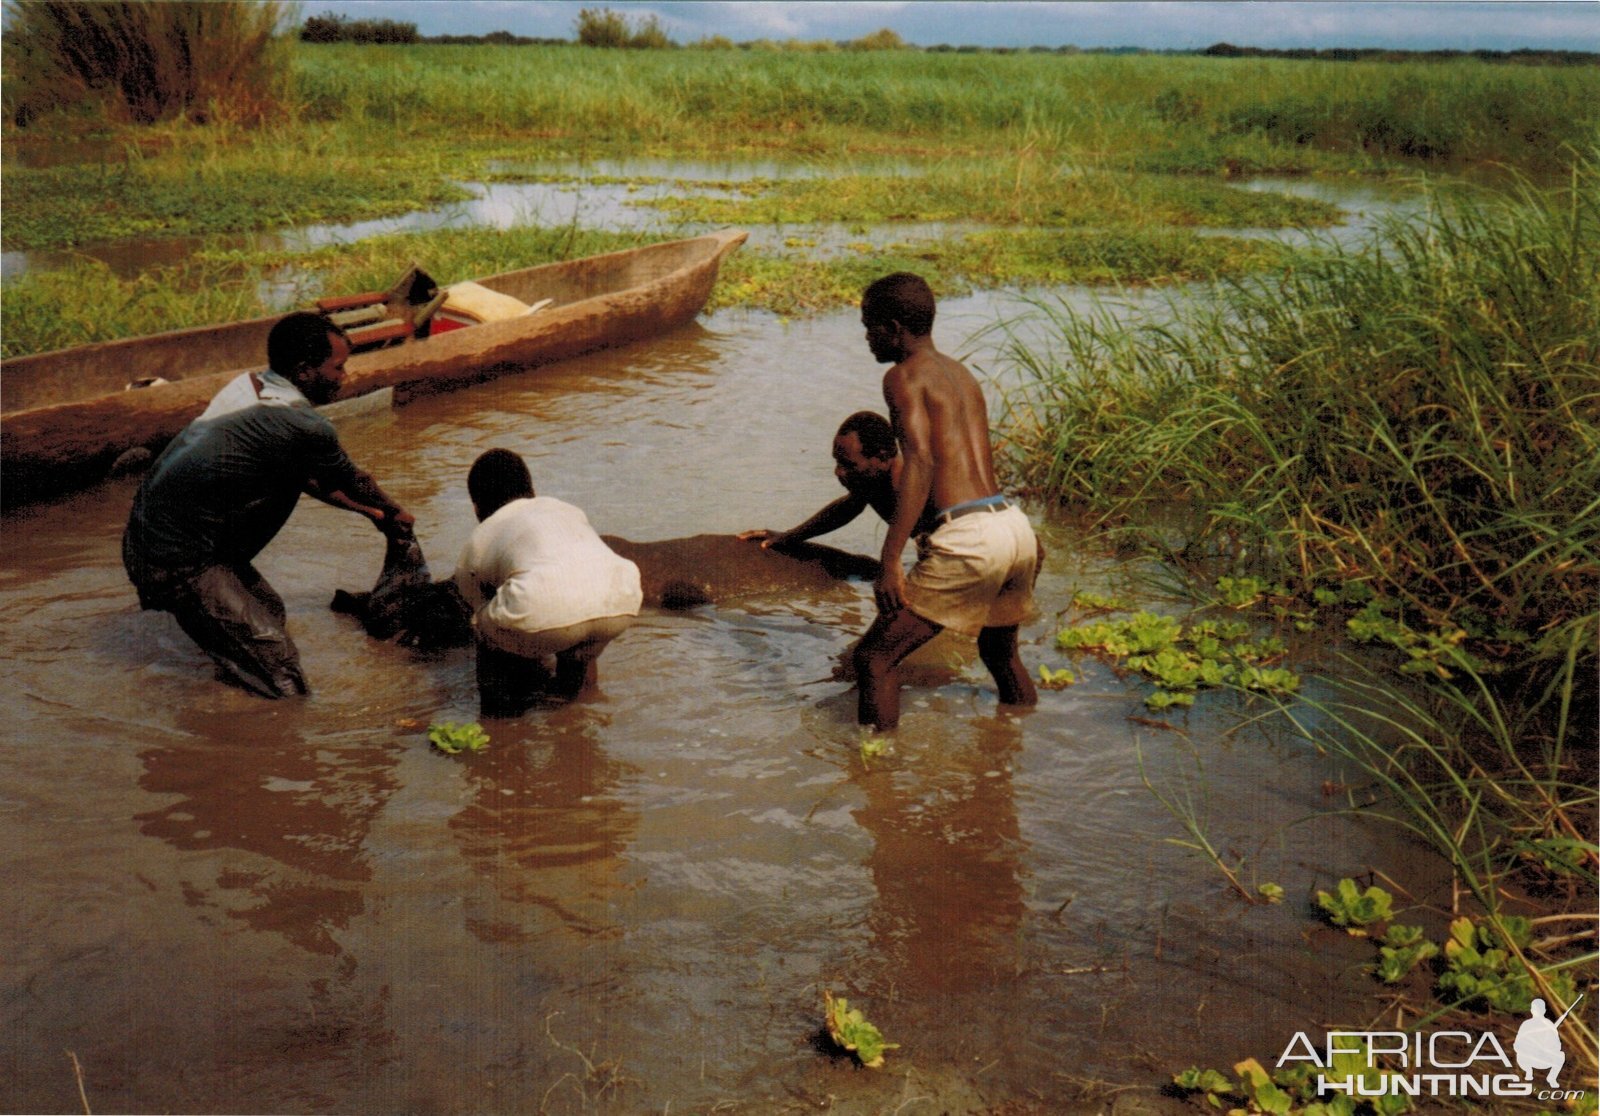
(302, 812)
(545, 824)
(946, 862)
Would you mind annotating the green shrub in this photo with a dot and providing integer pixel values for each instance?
(142, 61)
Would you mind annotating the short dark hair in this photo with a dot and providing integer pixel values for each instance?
(874, 431)
(299, 341)
(496, 478)
(901, 297)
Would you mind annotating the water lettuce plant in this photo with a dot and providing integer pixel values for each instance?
(453, 739)
(1058, 678)
(1482, 969)
(1403, 949)
(874, 747)
(1353, 909)
(1182, 658)
(849, 1030)
(1294, 1089)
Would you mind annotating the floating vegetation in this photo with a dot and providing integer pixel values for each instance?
(874, 747)
(1182, 659)
(452, 739)
(1056, 678)
(1354, 910)
(850, 1031)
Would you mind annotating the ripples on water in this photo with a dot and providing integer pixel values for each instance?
(223, 904)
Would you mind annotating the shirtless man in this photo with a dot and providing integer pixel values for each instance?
(975, 570)
(867, 462)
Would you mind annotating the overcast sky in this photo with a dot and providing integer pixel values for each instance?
(1430, 24)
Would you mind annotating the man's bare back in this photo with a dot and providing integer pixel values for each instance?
(956, 430)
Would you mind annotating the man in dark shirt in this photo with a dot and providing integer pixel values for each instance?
(224, 488)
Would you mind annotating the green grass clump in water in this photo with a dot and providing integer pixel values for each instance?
(1016, 191)
(213, 188)
(794, 285)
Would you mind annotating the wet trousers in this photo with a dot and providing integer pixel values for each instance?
(238, 620)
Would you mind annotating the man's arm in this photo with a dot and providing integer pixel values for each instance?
(336, 480)
(838, 513)
(338, 499)
(360, 493)
(908, 413)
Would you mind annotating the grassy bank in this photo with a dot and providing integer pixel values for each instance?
(1194, 113)
(1043, 144)
(1422, 417)
(1404, 442)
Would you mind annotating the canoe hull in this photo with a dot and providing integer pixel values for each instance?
(68, 419)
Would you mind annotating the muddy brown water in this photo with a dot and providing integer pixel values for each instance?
(634, 903)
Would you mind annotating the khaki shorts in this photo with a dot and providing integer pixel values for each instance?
(976, 572)
(552, 641)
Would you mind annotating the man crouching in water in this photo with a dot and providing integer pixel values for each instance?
(975, 570)
(540, 583)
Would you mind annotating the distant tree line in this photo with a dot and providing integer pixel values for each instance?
(331, 28)
(1523, 56)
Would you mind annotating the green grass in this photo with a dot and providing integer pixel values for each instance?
(795, 284)
(1409, 430)
(1006, 191)
(202, 187)
(1114, 109)
(1424, 416)
(373, 131)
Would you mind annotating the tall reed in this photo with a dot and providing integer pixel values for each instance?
(1202, 113)
(143, 61)
(1422, 414)
(1419, 419)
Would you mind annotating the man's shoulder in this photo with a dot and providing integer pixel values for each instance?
(926, 366)
(298, 417)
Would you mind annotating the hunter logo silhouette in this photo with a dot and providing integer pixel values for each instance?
(1538, 1043)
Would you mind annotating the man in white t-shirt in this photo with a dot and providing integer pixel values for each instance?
(540, 583)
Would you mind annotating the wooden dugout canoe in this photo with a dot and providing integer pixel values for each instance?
(66, 416)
